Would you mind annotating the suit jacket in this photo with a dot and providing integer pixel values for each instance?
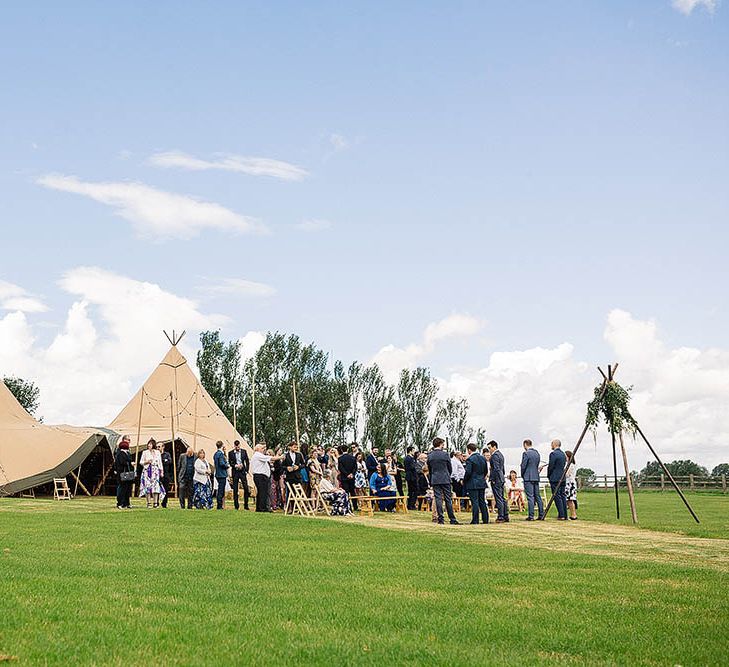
(530, 465)
(439, 465)
(411, 474)
(555, 468)
(497, 474)
(167, 465)
(297, 459)
(182, 467)
(347, 465)
(244, 460)
(371, 462)
(475, 477)
(221, 464)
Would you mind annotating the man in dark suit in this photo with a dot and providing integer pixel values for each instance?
(293, 462)
(497, 477)
(168, 474)
(371, 462)
(185, 473)
(221, 473)
(555, 468)
(439, 465)
(530, 477)
(347, 466)
(474, 482)
(411, 477)
(240, 465)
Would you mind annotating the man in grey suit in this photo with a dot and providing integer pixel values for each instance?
(497, 477)
(474, 482)
(557, 461)
(439, 465)
(530, 475)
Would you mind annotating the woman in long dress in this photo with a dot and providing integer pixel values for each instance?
(383, 486)
(202, 495)
(150, 485)
(360, 476)
(570, 485)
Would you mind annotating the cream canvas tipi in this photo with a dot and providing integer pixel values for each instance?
(172, 404)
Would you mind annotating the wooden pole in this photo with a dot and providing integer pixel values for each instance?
(194, 422)
(77, 475)
(628, 480)
(296, 413)
(79, 482)
(139, 436)
(253, 409)
(668, 474)
(615, 459)
(577, 446)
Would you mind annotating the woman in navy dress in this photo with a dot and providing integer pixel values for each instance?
(382, 485)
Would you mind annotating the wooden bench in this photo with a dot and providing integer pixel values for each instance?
(367, 503)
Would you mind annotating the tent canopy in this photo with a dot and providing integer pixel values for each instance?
(32, 453)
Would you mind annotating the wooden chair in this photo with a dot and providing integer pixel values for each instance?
(60, 489)
(28, 493)
(298, 501)
(320, 503)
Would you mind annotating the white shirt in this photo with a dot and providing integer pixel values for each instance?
(259, 464)
(202, 471)
(459, 471)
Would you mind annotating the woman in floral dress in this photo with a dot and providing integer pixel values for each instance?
(570, 486)
(149, 480)
(360, 477)
(202, 495)
(338, 498)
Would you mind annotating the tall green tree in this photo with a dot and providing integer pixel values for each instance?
(26, 392)
(721, 469)
(219, 366)
(417, 392)
(384, 426)
(453, 415)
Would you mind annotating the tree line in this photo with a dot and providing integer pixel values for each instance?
(336, 403)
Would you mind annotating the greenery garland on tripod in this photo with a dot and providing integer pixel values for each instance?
(612, 406)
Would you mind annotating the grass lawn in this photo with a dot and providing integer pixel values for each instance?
(83, 583)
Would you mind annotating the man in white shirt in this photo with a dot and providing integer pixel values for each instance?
(458, 472)
(261, 470)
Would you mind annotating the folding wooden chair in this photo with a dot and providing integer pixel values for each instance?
(60, 489)
(320, 503)
(299, 501)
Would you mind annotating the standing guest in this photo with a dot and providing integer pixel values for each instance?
(316, 473)
(149, 480)
(293, 463)
(411, 477)
(497, 478)
(323, 458)
(277, 495)
(360, 477)
(347, 466)
(474, 481)
(261, 469)
(570, 489)
(333, 466)
(185, 477)
(555, 468)
(371, 462)
(383, 486)
(123, 464)
(514, 491)
(421, 470)
(221, 473)
(458, 471)
(439, 465)
(240, 465)
(530, 476)
(202, 496)
(168, 473)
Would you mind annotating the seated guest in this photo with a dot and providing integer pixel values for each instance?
(382, 485)
(339, 498)
(514, 490)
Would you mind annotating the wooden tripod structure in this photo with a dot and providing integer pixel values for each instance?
(600, 393)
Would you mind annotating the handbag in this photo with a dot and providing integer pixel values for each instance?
(127, 476)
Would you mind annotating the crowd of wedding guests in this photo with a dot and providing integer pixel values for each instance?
(343, 476)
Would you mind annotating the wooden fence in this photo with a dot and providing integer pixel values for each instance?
(657, 483)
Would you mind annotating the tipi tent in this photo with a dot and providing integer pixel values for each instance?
(172, 404)
(32, 453)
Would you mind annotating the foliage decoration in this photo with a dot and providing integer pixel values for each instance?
(611, 406)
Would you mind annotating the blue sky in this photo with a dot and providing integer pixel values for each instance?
(531, 165)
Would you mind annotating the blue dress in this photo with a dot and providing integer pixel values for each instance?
(377, 485)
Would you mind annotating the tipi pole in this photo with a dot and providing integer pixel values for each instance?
(77, 475)
(628, 480)
(668, 474)
(296, 413)
(574, 451)
(615, 458)
(253, 409)
(139, 435)
(172, 426)
(194, 422)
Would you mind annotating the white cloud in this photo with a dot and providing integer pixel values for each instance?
(688, 6)
(392, 359)
(250, 344)
(253, 166)
(312, 225)
(14, 297)
(112, 339)
(156, 213)
(239, 287)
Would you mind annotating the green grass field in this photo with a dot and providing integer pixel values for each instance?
(83, 583)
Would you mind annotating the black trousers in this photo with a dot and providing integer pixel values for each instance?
(263, 484)
(165, 482)
(348, 486)
(398, 485)
(478, 505)
(458, 489)
(412, 493)
(185, 489)
(123, 493)
(240, 476)
(502, 509)
(220, 495)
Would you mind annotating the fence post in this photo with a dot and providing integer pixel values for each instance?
(663, 482)
(605, 486)
(691, 482)
(723, 483)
